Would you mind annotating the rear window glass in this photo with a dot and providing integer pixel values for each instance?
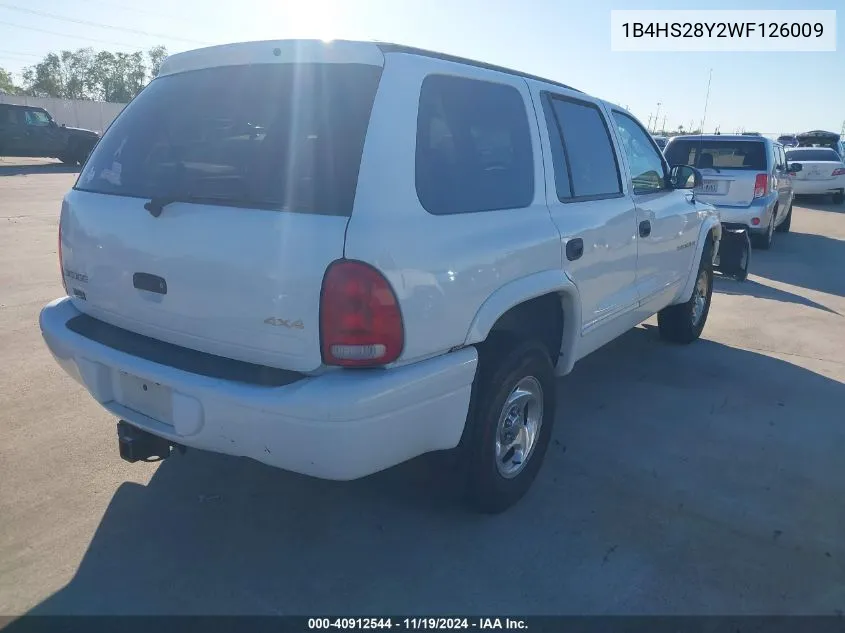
(279, 136)
(812, 154)
(474, 148)
(750, 155)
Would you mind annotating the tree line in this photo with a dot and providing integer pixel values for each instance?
(87, 74)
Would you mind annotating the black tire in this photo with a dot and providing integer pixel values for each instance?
(787, 222)
(67, 159)
(503, 365)
(744, 265)
(764, 241)
(678, 323)
(838, 197)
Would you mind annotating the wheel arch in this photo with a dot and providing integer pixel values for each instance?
(545, 303)
(711, 229)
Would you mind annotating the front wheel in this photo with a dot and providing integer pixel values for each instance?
(510, 423)
(683, 323)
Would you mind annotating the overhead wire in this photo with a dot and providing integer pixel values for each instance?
(101, 25)
(76, 37)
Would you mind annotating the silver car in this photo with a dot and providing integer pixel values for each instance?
(745, 177)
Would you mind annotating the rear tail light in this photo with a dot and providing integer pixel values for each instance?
(360, 321)
(839, 171)
(761, 185)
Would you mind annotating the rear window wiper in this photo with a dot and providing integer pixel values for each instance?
(156, 204)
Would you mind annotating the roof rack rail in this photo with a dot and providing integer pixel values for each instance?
(399, 48)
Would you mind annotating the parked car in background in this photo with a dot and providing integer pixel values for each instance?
(819, 138)
(822, 172)
(31, 131)
(788, 140)
(661, 141)
(401, 262)
(744, 176)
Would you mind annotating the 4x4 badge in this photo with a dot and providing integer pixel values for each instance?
(296, 325)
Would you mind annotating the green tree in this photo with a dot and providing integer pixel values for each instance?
(156, 55)
(89, 74)
(7, 84)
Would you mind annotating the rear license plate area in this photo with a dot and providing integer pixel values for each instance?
(709, 186)
(147, 397)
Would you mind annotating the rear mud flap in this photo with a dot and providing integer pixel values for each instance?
(734, 254)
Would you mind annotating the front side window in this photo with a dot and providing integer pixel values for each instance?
(277, 136)
(474, 148)
(648, 174)
(584, 161)
(37, 118)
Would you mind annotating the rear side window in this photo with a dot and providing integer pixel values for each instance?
(277, 136)
(812, 154)
(474, 148)
(585, 163)
(748, 155)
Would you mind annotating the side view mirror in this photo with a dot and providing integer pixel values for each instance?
(684, 177)
(794, 168)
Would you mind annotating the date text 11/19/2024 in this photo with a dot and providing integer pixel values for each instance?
(416, 624)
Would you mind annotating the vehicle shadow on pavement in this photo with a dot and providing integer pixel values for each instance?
(41, 168)
(808, 260)
(819, 204)
(680, 479)
(753, 289)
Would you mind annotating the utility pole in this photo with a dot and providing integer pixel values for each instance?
(663, 127)
(657, 116)
(648, 127)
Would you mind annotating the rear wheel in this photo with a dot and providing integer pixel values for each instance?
(787, 222)
(683, 323)
(510, 422)
(839, 197)
(764, 241)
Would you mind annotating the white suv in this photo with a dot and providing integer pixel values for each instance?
(333, 257)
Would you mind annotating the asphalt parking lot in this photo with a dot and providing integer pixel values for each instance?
(682, 480)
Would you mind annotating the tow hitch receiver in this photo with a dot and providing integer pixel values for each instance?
(139, 446)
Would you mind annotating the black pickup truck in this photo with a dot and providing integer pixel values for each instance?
(31, 131)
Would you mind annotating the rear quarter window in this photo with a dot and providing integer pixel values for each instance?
(278, 136)
(474, 149)
(747, 155)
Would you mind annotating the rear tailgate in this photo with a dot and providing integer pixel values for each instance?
(817, 164)
(729, 167)
(209, 212)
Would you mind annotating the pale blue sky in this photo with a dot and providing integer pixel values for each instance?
(564, 40)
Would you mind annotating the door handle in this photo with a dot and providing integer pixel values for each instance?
(645, 228)
(574, 249)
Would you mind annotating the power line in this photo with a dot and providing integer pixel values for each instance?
(100, 25)
(157, 14)
(7, 52)
(76, 37)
